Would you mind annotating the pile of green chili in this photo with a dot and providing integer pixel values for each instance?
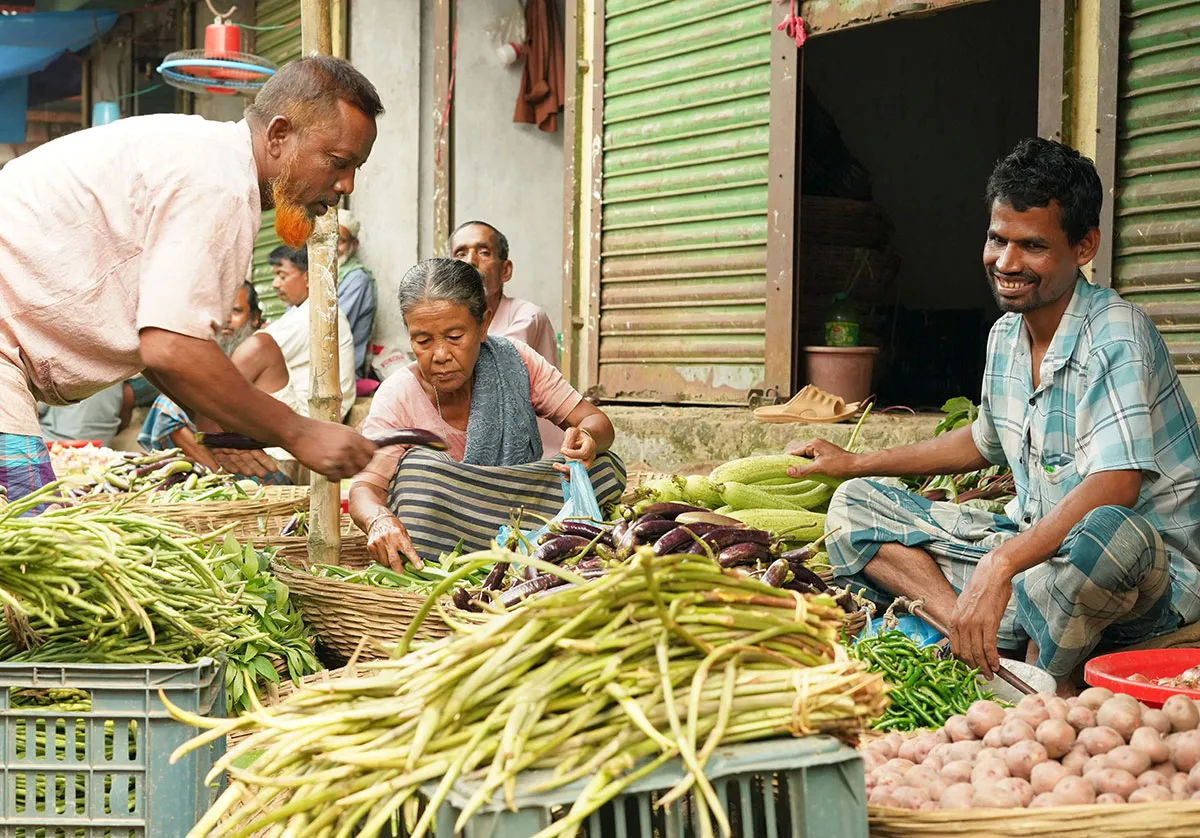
(927, 685)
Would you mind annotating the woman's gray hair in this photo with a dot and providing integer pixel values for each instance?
(451, 280)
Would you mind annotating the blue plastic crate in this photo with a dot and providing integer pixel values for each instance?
(779, 788)
(106, 773)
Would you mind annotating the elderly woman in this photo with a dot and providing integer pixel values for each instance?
(483, 395)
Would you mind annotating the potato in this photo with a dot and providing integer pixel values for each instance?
(982, 716)
(1166, 768)
(907, 797)
(1195, 796)
(1014, 731)
(1126, 758)
(1150, 794)
(941, 736)
(924, 777)
(994, 738)
(897, 766)
(908, 751)
(1096, 763)
(1045, 776)
(958, 730)
(941, 752)
(1150, 741)
(872, 760)
(1022, 756)
(1056, 736)
(1156, 719)
(1113, 781)
(1109, 800)
(1032, 710)
(958, 771)
(1180, 786)
(1093, 697)
(992, 796)
(1044, 801)
(1057, 708)
(1075, 760)
(1182, 713)
(880, 796)
(1194, 777)
(1100, 740)
(1021, 788)
(963, 750)
(1119, 716)
(1151, 777)
(888, 778)
(1081, 718)
(991, 769)
(1186, 752)
(1072, 701)
(958, 796)
(1074, 791)
(990, 753)
(1129, 701)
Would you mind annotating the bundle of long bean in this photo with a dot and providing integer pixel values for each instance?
(96, 583)
(662, 657)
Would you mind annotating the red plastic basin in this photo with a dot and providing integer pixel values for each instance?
(1113, 671)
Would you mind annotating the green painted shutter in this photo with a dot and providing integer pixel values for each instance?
(1156, 226)
(684, 199)
(279, 46)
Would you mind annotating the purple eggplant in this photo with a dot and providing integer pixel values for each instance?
(541, 582)
(495, 577)
(776, 574)
(744, 552)
(629, 539)
(680, 538)
(805, 576)
(618, 532)
(462, 600)
(561, 547)
(667, 509)
(583, 529)
(722, 537)
(645, 531)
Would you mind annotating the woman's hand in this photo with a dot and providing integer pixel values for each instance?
(389, 544)
(577, 445)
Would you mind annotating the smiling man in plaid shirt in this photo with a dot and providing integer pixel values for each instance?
(1081, 401)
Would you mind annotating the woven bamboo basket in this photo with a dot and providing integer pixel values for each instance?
(293, 549)
(255, 520)
(1176, 819)
(342, 613)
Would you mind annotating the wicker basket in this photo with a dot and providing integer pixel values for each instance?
(293, 549)
(1176, 819)
(256, 520)
(342, 613)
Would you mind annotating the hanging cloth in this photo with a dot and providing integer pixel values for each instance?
(541, 95)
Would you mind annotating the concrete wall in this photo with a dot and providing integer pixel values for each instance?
(508, 174)
(385, 44)
(928, 106)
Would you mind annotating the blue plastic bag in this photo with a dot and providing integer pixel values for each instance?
(914, 627)
(579, 503)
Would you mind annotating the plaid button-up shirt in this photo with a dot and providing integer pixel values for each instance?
(1108, 400)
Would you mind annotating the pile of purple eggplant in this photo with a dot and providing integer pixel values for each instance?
(669, 527)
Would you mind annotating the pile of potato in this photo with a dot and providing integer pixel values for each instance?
(1047, 751)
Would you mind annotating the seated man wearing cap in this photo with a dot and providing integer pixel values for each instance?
(356, 289)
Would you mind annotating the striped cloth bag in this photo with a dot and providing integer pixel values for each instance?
(441, 501)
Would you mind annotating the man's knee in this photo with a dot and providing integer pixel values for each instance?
(1115, 546)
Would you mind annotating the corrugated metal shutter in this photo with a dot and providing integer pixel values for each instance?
(1156, 226)
(279, 46)
(684, 199)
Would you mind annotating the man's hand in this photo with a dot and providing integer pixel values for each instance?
(577, 445)
(333, 450)
(827, 459)
(389, 544)
(978, 613)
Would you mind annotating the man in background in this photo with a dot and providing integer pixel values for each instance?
(356, 290)
(290, 332)
(486, 248)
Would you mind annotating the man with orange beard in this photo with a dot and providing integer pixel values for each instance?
(124, 246)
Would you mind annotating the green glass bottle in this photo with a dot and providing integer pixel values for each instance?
(841, 322)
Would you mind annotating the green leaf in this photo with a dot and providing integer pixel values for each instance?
(231, 545)
(264, 669)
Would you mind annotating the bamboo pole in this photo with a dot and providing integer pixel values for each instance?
(325, 396)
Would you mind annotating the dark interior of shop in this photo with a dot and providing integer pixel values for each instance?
(903, 121)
